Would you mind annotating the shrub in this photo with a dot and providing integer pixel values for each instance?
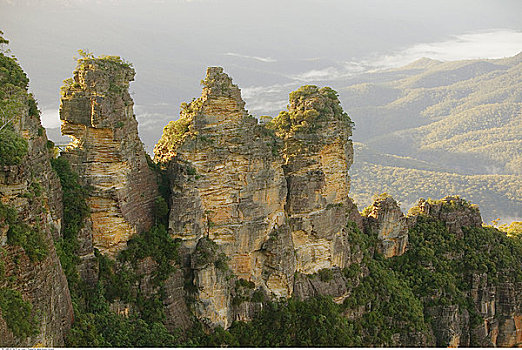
(31, 239)
(13, 147)
(17, 313)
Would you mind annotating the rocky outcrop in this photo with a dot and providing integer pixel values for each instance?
(453, 211)
(274, 201)
(97, 113)
(318, 153)
(385, 218)
(31, 192)
(227, 185)
(496, 301)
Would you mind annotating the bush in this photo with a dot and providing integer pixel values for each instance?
(13, 147)
(17, 313)
(31, 239)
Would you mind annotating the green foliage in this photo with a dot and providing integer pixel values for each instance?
(116, 89)
(391, 306)
(17, 313)
(13, 147)
(315, 322)
(30, 238)
(325, 275)
(174, 133)
(438, 266)
(75, 211)
(161, 210)
(74, 198)
(11, 73)
(3, 41)
(205, 253)
(155, 243)
(97, 326)
(33, 110)
(308, 106)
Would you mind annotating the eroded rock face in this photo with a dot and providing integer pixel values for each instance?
(318, 153)
(273, 201)
(227, 185)
(97, 112)
(385, 218)
(33, 190)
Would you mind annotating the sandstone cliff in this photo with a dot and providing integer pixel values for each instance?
(34, 296)
(318, 153)
(228, 186)
(272, 201)
(97, 113)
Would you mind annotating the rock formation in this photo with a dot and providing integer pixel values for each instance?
(228, 186)
(385, 218)
(318, 153)
(30, 218)
(97, 113)
(274, 200)
(454, 211)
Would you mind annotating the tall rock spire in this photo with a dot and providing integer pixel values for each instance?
(97, 112)
(318, 153)
(228, 187)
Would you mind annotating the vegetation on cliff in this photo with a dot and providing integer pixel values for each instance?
(17, 313)
(309, 105)
(95, 323)
(14, 100)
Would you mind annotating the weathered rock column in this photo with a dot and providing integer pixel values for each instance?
(97, 112)
(318, 153)
(227, 185)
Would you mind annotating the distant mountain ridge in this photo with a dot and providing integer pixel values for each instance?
(461, 117)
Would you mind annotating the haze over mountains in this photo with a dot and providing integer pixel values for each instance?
(422, 121)
(436, 127)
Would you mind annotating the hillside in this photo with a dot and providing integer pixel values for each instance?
(461, 119)
(408, 179)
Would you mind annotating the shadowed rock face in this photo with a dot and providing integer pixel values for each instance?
(97, 112)
(33, 190)
(269, 211)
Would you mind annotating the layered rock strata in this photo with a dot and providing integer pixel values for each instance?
(33, 190)
(271, 200)
(228, 185)
(318, 153)
(97, 113)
